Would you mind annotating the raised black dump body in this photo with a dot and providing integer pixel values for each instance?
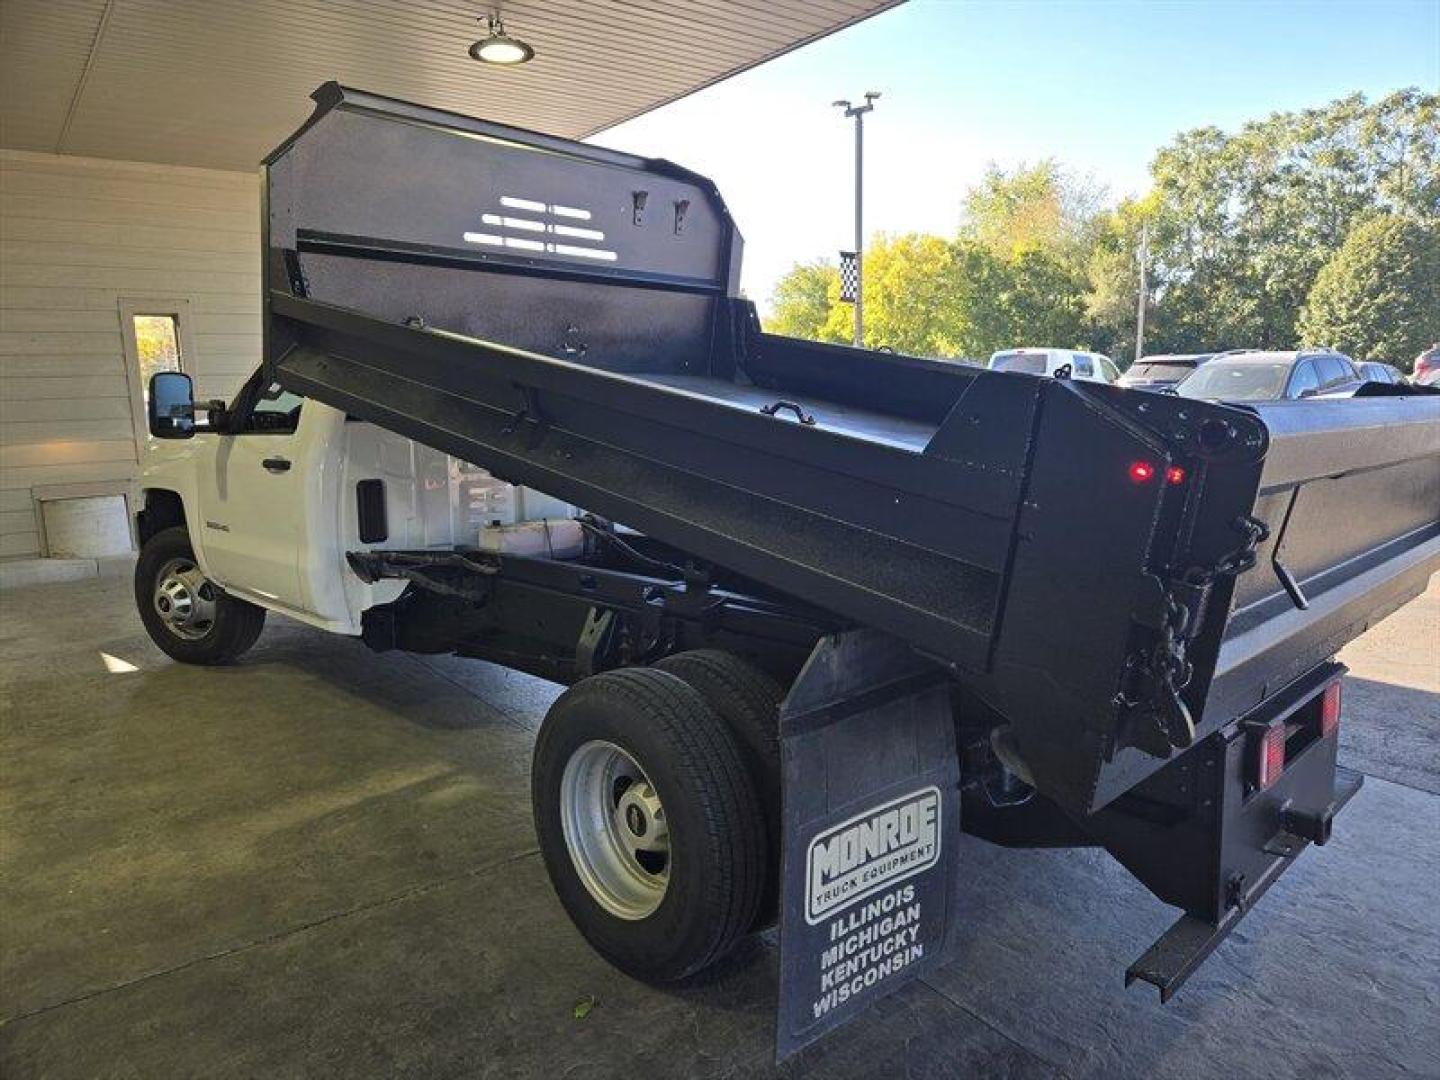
(1089, 615)
(1116, 573)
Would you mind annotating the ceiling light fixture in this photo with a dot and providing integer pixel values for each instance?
(499, 47)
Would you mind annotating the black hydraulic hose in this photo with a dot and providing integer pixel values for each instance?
(608, 537)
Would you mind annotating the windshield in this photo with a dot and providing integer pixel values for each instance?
(1158, 372)
(1245, 381)
(1030, 363)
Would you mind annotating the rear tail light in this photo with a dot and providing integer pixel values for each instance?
(1271, 756)
(1330, 710)
(1291, 737)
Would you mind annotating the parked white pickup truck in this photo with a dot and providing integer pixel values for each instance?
(260, 512)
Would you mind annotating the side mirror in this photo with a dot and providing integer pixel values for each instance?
(171, 409)
(1309, 391)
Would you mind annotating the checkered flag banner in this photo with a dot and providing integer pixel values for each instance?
(849, 276)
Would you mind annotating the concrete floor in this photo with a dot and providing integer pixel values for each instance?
(320, 862)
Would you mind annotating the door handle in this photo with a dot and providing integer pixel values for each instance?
(276, 464)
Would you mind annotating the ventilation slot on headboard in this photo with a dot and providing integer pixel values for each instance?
(542, 234)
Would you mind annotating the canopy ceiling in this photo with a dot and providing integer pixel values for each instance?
(219, 83)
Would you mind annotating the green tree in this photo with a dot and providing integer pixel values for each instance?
(1378, 298)
(800, 305)
(909, 295)
(1112, 273)
(1044, 304)
(1244, 222)
(983, 313)
(1032, 207)
(928, 296)
(1240, 227)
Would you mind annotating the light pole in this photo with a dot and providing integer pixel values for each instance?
(1144, 289)
(858, 113)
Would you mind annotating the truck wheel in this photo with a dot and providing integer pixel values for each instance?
(748, 700)
(187, 615)
(648, 823)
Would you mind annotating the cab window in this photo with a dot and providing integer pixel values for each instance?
(1083, 365)
(1333, 371)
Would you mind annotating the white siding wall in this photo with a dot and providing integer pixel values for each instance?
(78, 235)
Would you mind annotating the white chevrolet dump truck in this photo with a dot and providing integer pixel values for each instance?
(819, 609)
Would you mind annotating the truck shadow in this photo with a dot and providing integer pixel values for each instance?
(443, 693)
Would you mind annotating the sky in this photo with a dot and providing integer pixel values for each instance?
(1100, 86)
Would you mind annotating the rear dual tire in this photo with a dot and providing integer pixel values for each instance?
(622, 757)
(748, 700)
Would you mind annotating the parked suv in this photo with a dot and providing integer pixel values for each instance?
(1374, 371)
(1164, 370)
(1272, 376)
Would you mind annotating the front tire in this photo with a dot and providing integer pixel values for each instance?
(186, 614)
(648, 823)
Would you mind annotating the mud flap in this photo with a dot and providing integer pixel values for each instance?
(871, 819)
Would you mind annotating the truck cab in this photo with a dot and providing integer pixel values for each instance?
(273, 490)
(262, 490)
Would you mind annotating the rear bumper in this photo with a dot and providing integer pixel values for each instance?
(1178, 952)
(1204, 835)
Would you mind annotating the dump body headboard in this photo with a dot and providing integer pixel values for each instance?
(499, 233)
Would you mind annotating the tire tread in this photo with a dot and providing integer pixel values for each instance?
(748, 700)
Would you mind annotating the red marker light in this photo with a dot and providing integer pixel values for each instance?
(1174, 475)
(1270, 756)
(1142, 472)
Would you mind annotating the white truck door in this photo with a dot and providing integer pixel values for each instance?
(252, 499)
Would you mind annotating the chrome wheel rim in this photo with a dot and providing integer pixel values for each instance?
(184, 599)
(615, 830)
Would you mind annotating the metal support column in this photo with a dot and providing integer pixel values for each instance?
(857, 112)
